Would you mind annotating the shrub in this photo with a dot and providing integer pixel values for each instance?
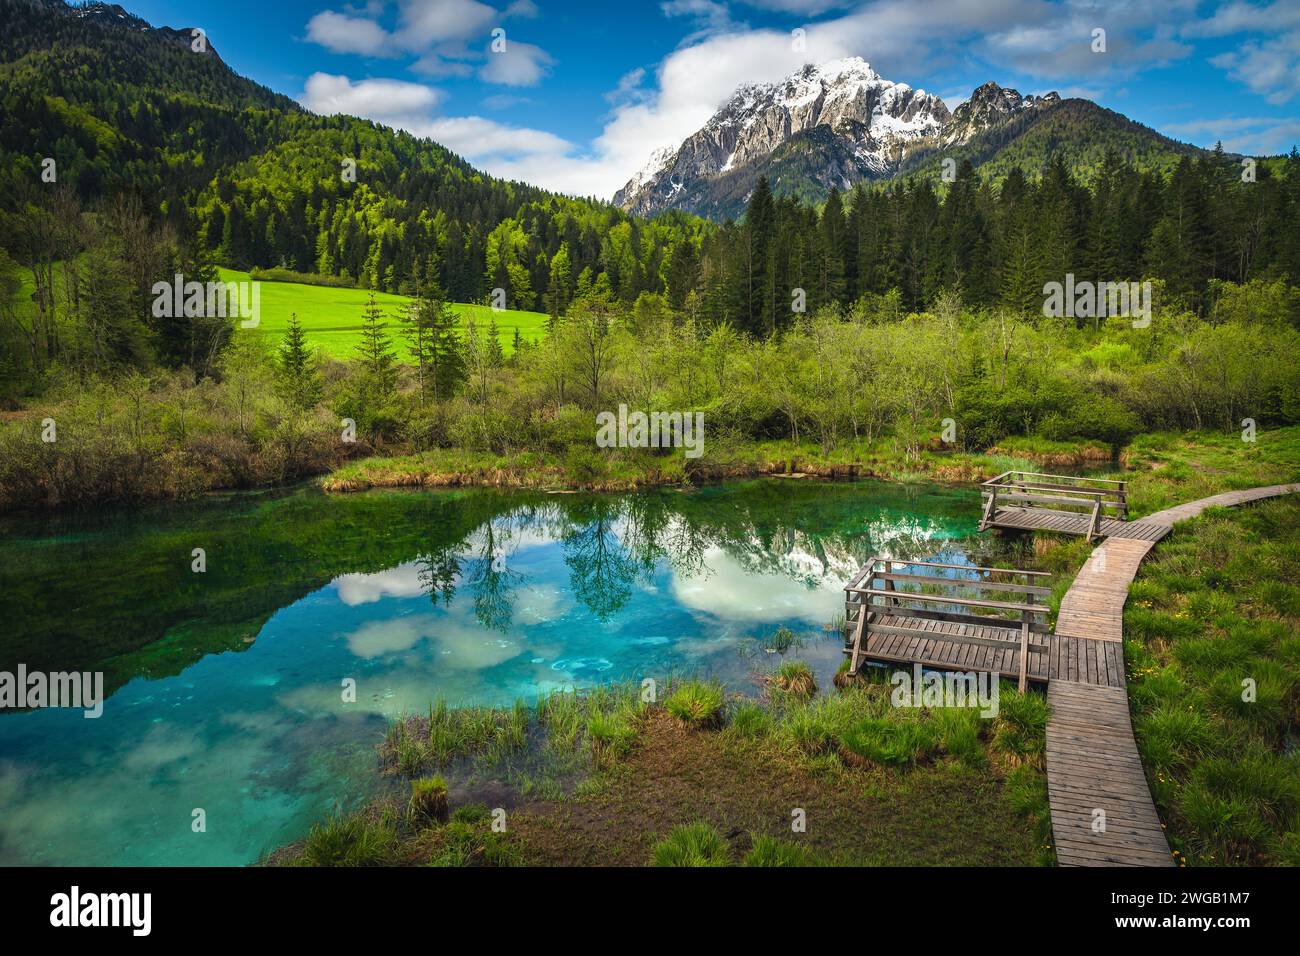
(697, 704)
(692, 844)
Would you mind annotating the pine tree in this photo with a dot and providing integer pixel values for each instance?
(300, 380)
(496, 357)
(376, 350)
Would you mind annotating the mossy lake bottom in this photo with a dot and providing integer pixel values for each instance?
(228, 689)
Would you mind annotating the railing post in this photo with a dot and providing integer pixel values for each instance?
(990, 507)
(1024, 642)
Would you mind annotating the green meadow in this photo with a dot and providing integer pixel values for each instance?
(332, 316)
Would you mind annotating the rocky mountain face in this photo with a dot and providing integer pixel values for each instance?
(825, 126)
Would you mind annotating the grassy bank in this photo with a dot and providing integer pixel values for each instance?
(589, 468)
(603, 778)
(1212, 636)
(1162, 469)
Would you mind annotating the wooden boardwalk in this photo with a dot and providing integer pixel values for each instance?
(1094, 605)
(1190, 510)
(1102, 813)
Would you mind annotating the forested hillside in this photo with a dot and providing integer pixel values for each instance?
(252, 179)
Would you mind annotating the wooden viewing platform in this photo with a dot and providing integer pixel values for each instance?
(1029, 501)
(939, 627)
(1102, 812)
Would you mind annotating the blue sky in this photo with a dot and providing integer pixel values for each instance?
(580, 93)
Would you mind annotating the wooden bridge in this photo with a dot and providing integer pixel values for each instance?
(1102, 812)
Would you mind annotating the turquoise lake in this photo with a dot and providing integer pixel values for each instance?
(226, 687)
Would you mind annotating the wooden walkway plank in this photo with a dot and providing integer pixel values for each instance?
(1102, 812)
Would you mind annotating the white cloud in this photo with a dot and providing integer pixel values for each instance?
(1268, 66)
(426, 23)
(393, 102)
(344, 34)
(658, 107)
(518, 64)
(1246, 18)
(523, 9)
(446, 37)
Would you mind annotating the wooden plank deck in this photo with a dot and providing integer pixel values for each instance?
(1068, 522)
(943, 646)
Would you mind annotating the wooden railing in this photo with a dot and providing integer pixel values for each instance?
(1096, 497)
(873, 594)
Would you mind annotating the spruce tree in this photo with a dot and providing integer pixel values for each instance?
(376, 350)
(300, 380)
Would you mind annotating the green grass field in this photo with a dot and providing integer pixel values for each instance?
(332, 317)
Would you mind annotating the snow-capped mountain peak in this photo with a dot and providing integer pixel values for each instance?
(859, 124)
